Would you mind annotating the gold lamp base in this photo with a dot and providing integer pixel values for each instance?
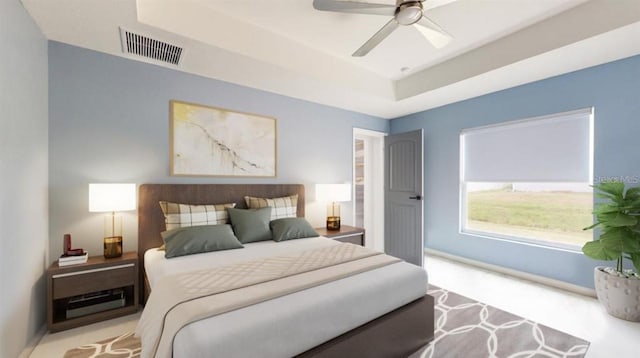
(333, 223)
(112, 236)
(112, 247)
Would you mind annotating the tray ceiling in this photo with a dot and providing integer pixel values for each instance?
(287, 47)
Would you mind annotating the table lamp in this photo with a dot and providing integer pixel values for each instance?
(112, 198)
(333, 193)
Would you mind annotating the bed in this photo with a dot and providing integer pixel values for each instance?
(384, 312)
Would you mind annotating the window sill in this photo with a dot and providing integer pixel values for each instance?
(524, 241)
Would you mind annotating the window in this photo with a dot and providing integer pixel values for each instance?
(528, 180)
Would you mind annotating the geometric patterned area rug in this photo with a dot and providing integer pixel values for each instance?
(124, 346)
(468, 328)
(464, 328)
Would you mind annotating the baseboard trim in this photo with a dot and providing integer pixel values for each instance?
(515, 273)
(33, 342)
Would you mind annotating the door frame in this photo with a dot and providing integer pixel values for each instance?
(374, 190)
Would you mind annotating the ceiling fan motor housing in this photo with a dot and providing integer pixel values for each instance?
(408, 12)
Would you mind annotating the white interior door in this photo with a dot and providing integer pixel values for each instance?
(403, 185)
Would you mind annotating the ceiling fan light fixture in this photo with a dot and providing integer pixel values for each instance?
(409, 14)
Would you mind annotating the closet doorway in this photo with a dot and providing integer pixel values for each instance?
(368, 185)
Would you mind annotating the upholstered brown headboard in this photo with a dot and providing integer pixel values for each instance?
(151, 219)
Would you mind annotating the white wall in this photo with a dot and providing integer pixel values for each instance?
(23, 177)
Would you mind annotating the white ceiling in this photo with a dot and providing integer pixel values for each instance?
(287, 47)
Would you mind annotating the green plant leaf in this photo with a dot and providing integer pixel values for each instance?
(617, 219)
(635, 259)
(633, 205)
(591, 227)
(621, 240)
(616, 188)
(602, 208)
(615, 199)
(636, 230)
(632, 194)
(596, 250)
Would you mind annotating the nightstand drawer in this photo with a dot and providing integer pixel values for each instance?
(93, 280)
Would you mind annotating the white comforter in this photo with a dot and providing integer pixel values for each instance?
(294, 323)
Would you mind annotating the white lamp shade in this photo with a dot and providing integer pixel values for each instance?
(112, 197)
(333, 192)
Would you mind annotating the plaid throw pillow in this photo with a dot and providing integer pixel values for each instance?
(183, 215)
(285, 207)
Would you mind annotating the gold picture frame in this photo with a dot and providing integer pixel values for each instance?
(212, 141)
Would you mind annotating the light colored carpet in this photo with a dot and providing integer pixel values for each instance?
(464, 328)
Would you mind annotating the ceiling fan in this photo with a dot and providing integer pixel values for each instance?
(404, 12)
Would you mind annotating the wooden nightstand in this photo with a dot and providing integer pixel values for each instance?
(98, 290)
(354, 235)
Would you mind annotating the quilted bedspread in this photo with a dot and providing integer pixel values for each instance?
(180, 299)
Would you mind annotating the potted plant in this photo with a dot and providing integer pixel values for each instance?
(619, 220)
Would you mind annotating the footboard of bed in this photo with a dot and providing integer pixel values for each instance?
(399, 333)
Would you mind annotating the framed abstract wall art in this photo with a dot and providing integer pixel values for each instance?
(210, 141)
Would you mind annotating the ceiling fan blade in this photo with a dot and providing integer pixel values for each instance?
(385, 31)
(432, 4)
(354, 7)
(433, 32)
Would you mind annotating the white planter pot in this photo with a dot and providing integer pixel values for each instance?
(619, 295)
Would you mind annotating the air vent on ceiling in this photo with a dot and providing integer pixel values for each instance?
(145, 46)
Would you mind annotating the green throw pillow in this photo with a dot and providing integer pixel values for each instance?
(197, 239)
(251, 225)
(291, 228)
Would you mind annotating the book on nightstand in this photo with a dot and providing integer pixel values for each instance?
(65, 260)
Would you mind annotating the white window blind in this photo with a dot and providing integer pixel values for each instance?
(557, 148)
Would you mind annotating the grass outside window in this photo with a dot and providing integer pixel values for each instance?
(542, 215)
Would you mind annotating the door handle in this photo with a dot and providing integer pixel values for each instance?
(417, 197)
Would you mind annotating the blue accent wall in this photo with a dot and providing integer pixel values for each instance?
(613, 89)
(109, 122)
